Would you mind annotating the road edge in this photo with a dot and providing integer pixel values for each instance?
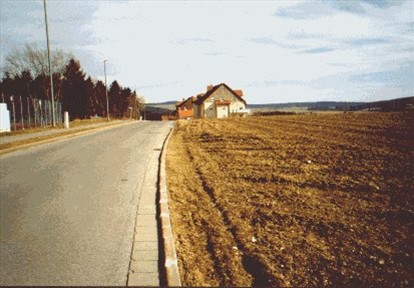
(172, 273)
(63, 137)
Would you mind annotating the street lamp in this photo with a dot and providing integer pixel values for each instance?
(106, 91)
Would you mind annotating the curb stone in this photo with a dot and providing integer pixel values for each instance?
(170, 254)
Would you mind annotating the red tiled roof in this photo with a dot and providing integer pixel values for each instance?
(239, 92)
(191, 98)
(201, 99)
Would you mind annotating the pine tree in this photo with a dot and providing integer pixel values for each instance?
(100, 98)
(91, 108)
(114, 96)
(74, 90)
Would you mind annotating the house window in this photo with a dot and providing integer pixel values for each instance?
(224, 108)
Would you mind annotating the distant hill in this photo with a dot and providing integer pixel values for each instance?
(323, 105)
(399, 104)
(169, 105)
(386, 105)
(162, 103)
(155, 110)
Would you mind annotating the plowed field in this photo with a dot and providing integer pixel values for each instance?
(296, 200)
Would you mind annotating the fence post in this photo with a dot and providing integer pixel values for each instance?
(56, 111)
(66, 117)
(40, 113)
(43, 109)
(28, 112)
(47, 112)
(60, 112)
(21, 112)
(44, 102)
(36, 103)
(46, 116)
(34, 111)
(50, 113)
(14, 113)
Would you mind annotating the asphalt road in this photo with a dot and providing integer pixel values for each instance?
(68, 208)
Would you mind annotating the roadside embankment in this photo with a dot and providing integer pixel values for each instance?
(14, 141)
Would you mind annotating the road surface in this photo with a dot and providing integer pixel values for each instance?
(68, 208)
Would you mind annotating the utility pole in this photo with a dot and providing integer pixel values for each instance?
(106, 91)
(50, 68)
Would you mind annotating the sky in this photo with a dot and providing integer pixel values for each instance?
(275, 51)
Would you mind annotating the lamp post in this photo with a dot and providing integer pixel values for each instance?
(50, 69)
(106, 91)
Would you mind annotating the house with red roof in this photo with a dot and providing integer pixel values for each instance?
(184, 109)
(219, 101)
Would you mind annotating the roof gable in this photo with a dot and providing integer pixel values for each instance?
(191, 98)
(201, 99)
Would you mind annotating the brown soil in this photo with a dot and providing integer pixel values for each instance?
(297, 200)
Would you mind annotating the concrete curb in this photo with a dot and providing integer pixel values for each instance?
(170, 254)
(63, 137)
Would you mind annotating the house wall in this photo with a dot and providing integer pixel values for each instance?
(222, 111)
(185, 114)
(197, 111)
(225, 94)
(236, 106)
(208, 109)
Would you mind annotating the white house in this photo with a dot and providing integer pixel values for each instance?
(219, 101)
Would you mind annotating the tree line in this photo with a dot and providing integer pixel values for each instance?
(26, 75)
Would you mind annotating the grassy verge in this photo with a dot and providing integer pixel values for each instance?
(294, 200)
(72, 124)
(19, 143)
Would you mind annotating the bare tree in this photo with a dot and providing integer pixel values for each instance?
(137, 103)
(34, 59)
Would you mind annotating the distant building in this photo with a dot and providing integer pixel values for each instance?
(184, 109)
(219, 101)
